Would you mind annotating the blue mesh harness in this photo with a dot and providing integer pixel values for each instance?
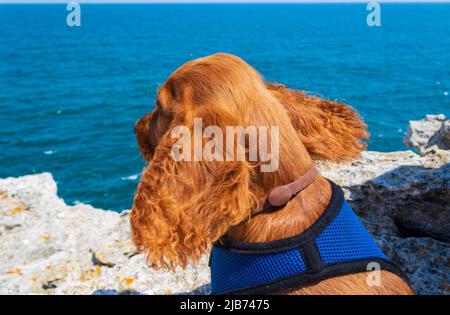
(336, 244)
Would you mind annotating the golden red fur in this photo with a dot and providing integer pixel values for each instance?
(180, 208)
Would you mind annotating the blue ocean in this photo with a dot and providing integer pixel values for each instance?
(69, 96)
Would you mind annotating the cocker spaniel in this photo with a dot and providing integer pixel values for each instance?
(181, 208)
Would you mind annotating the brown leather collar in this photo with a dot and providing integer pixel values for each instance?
(280, 195)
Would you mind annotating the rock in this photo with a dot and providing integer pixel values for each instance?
(406, 192)
(403, 200)
(424, 260)
(49, 247)
(442, 137)
(424, 133)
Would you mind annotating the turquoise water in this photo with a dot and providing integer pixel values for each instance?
(69, 96)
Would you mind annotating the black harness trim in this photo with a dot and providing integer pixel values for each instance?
(330, 212)
(316, 269)
(310, 278)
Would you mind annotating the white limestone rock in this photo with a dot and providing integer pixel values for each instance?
(424, 133)
(49, 247)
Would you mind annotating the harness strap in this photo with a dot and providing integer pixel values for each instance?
(336, 244)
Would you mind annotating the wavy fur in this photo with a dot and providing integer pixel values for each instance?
(180, 208)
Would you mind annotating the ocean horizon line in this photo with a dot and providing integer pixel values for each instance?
(228, 2)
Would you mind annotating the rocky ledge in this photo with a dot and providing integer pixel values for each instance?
(48, 247)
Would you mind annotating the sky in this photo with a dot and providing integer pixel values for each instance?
(213, 1)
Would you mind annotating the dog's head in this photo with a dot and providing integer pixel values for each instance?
(181, 207)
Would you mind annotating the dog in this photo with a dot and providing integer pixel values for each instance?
(182, 208)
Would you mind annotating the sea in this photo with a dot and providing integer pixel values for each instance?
(69, 96)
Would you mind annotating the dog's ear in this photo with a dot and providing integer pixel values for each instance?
(181, 207)
(329, 130)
